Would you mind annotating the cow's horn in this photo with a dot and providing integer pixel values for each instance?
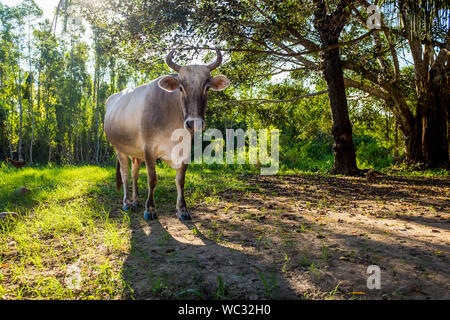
(172, 64)
(216, 63)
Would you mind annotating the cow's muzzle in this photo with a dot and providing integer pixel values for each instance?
(194, 124)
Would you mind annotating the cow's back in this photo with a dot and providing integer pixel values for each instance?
(136, 116)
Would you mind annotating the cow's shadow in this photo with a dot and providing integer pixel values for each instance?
(169, 259)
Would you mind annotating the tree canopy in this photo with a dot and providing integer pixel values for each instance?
(394, 61)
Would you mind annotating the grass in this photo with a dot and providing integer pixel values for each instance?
(71, 240)
(70, 221)
(62, 224)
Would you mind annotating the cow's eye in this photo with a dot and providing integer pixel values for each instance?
(181, 89)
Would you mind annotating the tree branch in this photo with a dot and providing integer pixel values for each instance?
(261, 101)
(377, 92)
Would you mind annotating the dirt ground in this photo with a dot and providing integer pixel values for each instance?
(300, 236)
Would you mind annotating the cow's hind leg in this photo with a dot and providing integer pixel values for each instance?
(124, 171)
(182, 212)
(152, 179)
(135, 165)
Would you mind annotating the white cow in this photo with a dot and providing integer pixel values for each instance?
(139, 124)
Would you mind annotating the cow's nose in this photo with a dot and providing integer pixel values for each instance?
(194, 125)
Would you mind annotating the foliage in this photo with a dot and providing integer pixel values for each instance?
(52, 96)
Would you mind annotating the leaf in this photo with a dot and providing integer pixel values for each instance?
(196, 292)
(356, 293)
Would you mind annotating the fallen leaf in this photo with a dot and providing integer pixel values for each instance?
(356, 293)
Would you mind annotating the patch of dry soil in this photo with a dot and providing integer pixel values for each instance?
(300, 236)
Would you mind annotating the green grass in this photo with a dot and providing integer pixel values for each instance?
(70, 228)
(416, 171)
(71, 239)
(63, 222)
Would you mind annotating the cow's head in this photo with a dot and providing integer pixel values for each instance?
(193, 82)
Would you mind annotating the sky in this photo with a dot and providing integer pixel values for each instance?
(48, 6)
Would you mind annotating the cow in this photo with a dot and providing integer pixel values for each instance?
(139, 124)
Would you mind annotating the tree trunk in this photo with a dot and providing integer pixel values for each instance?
(343, 147)
(97, 114)
(19, 96)
(413, 141)
(434, 123)
(30, 101)
(32, 120)
(427, 143)
(329, 28)
(8, 135)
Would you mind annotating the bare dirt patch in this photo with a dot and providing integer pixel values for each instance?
(299, 236)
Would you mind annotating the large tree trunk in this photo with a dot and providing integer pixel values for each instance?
(434, 122)
(329, 28)
(344, 150)
(427, 141)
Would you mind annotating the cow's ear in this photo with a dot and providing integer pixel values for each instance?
(219, 83)
(169, 83)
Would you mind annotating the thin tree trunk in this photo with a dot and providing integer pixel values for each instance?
(396, 141)
(47, 117)
(7, 133)
(19, 96)
(31, 95)
(388, 129)
(6, 116)
(97, 152)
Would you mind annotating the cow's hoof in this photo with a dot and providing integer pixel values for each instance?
(126, 208)
(149, 215)
(183, 215)
(135, 205)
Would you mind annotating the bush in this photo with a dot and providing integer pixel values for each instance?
(312, 155)
(371, 154)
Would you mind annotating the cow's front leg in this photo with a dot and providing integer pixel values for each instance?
(182, 212)
(136, 164)
(152, 179)
(124, 171)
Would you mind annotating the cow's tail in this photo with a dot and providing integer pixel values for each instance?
(118, 176)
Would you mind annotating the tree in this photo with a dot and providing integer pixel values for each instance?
(12, 21)
(274, 35)
(423, 31)
(330, 27)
